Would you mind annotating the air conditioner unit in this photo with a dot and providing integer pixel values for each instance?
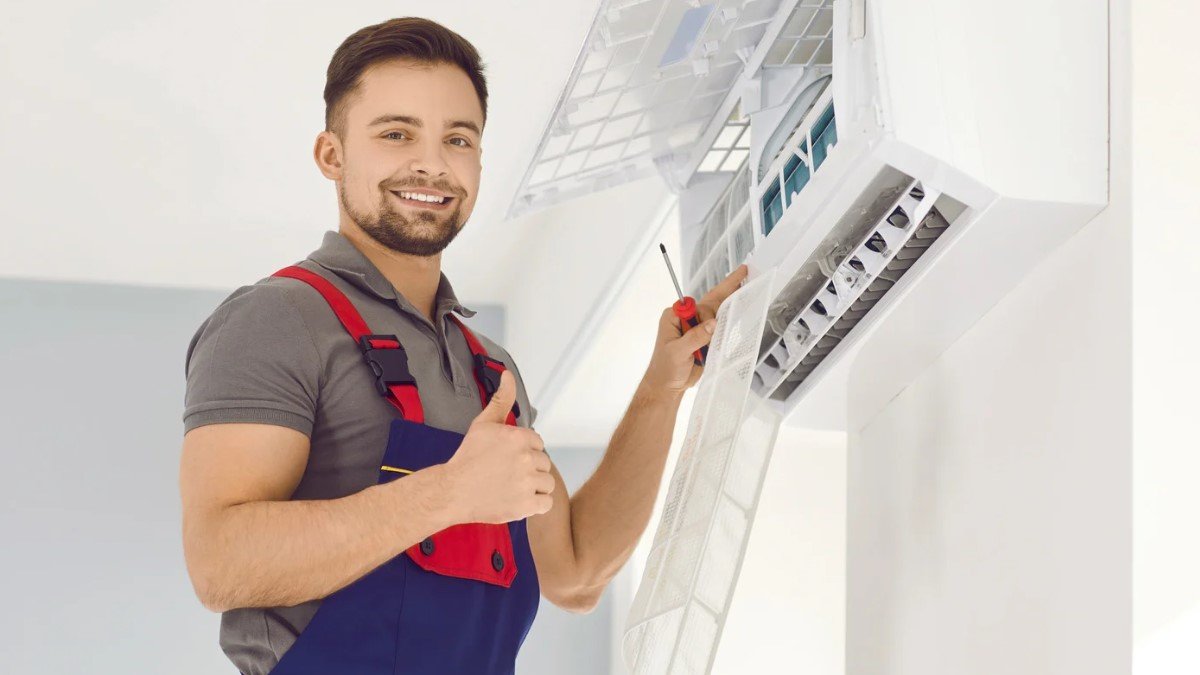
(896, 164)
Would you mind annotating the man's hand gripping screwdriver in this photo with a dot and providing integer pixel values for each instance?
(685, 310)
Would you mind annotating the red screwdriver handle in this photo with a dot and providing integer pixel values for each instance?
(685, 311)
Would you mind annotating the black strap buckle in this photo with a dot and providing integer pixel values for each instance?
(389, 364)
(490, 377)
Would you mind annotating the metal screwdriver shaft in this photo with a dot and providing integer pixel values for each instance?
(671, 269)
(685, 309)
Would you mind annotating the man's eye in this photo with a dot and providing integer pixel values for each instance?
(390, 134)
(461, 142)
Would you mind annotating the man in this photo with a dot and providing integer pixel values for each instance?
(362, 489)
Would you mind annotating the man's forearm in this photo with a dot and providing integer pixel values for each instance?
(610, 512)
(282, 553)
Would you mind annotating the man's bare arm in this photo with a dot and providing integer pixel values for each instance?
(584, 540)
(247, 546)
(581, 543)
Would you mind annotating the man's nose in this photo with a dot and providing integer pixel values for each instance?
(429, 161)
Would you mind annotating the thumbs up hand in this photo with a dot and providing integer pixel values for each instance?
(500, 473)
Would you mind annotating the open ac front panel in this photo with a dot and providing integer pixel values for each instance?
(835, 283)
(831, 282)
(852, 209)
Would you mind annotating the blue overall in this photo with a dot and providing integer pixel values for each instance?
(462, 600)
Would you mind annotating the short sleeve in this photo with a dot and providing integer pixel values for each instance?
(253, 360)
(522, 395)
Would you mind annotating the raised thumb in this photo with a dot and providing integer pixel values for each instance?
(502, 401)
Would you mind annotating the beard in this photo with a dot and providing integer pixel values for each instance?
(424, 234)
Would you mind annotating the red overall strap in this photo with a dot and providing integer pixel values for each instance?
(482, 361)
(403, 395)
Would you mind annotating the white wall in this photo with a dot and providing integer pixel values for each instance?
(200, 123)
(989, 504)
(989, 511)
(601, 369)
(561, 296)
(1166, 367)
(788, 611)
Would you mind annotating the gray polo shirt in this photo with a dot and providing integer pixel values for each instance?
(274, 353)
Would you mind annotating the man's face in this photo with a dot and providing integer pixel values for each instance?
(411, 155)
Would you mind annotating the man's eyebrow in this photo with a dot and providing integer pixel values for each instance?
(465, 124)
(387, 119)
(408, 119)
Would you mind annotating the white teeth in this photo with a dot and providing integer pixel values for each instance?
(422, 197)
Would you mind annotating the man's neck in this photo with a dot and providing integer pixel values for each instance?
(414, 277)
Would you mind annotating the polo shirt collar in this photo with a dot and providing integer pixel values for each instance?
(338, 255)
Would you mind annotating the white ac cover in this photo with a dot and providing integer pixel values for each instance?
(991, 117)
(680, 606)
(897, 193)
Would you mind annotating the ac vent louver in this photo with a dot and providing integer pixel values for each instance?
(857, 278)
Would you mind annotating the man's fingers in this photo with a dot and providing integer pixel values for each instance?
(697, 337)
(541, 503)
(536, 442)
(668, 326)
(543, 484)
(541, 461)
(706, 308)
(728, 285)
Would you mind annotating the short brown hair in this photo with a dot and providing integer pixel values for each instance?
(409, 37)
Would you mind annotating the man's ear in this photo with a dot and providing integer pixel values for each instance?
(327, 152)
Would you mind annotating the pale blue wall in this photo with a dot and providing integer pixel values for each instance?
(92, 564)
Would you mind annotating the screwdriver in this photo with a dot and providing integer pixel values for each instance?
(685, 310)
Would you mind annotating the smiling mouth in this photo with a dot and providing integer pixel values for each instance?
(422, 200)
